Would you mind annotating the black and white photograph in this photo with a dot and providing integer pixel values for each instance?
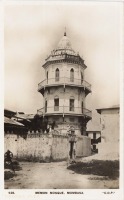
(62, 97)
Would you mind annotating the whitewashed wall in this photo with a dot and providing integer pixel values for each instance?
(40, 147)
(109, 131)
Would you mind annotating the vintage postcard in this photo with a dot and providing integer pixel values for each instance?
(62, 135)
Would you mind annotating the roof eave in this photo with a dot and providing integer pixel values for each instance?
(111, 108)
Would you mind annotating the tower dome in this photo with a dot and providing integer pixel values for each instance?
(64, 43)
(64, 46)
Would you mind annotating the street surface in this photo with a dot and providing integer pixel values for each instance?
(55, 175)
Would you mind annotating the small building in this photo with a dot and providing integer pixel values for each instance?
(109, 121)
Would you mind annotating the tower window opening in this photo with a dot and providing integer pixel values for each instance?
(72, 75)
(71, 105)
(82, 78)
(82, 106)
(45, 106)
(56, 104)
(47, 76)
(57, 75)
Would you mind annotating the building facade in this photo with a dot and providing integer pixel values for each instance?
(64, 90)
(110, 127)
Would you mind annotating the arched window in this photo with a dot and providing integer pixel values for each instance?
(45, 105)
(82, 78)
(47, 76)
(57, 75)
(56, 103)
(72, 75)
(71, 104)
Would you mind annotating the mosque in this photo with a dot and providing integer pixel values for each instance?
(65, 89)
(61, 129)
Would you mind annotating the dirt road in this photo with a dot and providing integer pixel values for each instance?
(55, 176)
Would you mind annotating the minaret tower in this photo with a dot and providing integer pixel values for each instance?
(65, 89)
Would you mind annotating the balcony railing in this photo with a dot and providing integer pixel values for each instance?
(64, 110)
(63, 81)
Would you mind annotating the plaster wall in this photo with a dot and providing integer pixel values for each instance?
(64, 70)
(109, 132)
(60, 147)
(48, 147)
(64, 97)
(110, 125)
(83, 146)
(10, 142)
(108, 148)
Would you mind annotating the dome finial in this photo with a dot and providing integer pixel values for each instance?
(65, 32)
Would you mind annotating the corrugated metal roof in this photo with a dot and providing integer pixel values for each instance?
(9, 113)
(25, 116)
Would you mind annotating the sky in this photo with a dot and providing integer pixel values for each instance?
(31, 32)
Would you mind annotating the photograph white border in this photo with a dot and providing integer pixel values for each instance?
(89, 194)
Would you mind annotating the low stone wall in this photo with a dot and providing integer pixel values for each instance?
(10, 142)
(36, 147)
(83, 146)
(60, 147)
(44, 147)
